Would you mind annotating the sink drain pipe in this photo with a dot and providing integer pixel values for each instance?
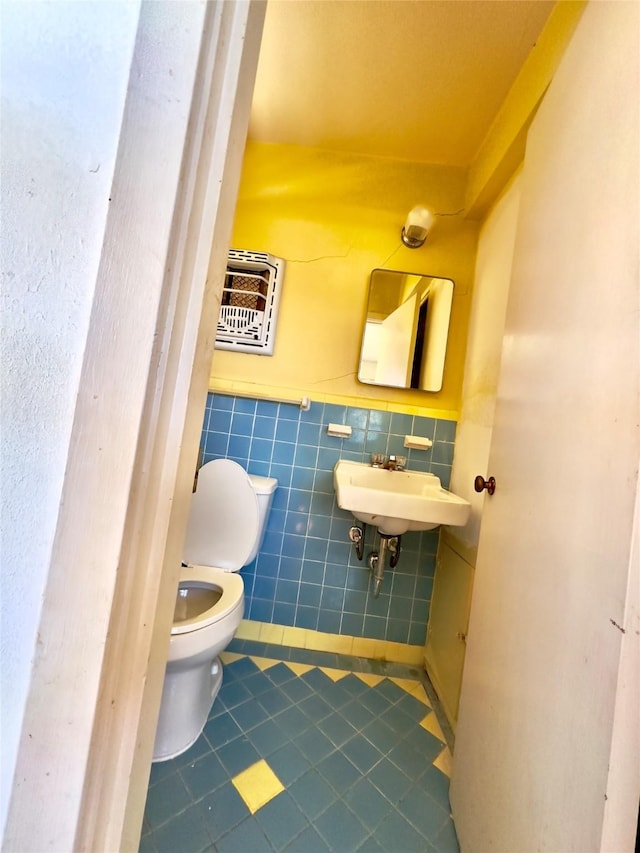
(389, 549)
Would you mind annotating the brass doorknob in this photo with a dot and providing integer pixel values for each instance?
(480, 483)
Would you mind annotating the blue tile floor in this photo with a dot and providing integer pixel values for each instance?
(300, 755)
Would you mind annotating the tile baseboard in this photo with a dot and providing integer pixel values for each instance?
(303, 638)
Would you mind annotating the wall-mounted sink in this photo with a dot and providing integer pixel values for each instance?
(396, 501)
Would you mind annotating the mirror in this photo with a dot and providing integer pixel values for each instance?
(405, 333)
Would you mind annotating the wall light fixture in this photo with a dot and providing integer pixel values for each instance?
(417, 226)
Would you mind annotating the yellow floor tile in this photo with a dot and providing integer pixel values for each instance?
(264, 663)
(298, 668)
(369, 678)
(229, 657)
(407, 684)
(444, 762)
(431, 724)
(257, 785)
(334, 674)
(419, 693)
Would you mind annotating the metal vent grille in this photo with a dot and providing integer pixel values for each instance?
(250, 300)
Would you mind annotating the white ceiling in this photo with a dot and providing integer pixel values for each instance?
(418, 80)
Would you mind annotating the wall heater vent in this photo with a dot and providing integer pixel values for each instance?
(250, 300)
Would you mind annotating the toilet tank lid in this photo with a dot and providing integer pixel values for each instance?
(263, 485)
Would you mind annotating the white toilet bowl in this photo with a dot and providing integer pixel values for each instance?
(226, 526)
(209, 607)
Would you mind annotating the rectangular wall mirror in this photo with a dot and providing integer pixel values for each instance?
(405, 334)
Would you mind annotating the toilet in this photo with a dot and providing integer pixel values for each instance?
(227, 522)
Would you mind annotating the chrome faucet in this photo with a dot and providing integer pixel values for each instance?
(395, 463)
(389, 463)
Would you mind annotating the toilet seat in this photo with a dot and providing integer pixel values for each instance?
(228, 583)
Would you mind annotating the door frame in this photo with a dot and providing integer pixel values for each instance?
(103, 636)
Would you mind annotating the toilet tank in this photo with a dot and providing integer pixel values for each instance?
(264, 488)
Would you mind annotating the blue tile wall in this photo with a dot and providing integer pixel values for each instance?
(307, 574)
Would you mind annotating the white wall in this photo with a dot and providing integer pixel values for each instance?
(65, 68)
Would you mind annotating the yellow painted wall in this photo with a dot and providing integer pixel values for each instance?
(334, 218)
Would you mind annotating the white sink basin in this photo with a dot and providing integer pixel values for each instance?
(396, 501)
